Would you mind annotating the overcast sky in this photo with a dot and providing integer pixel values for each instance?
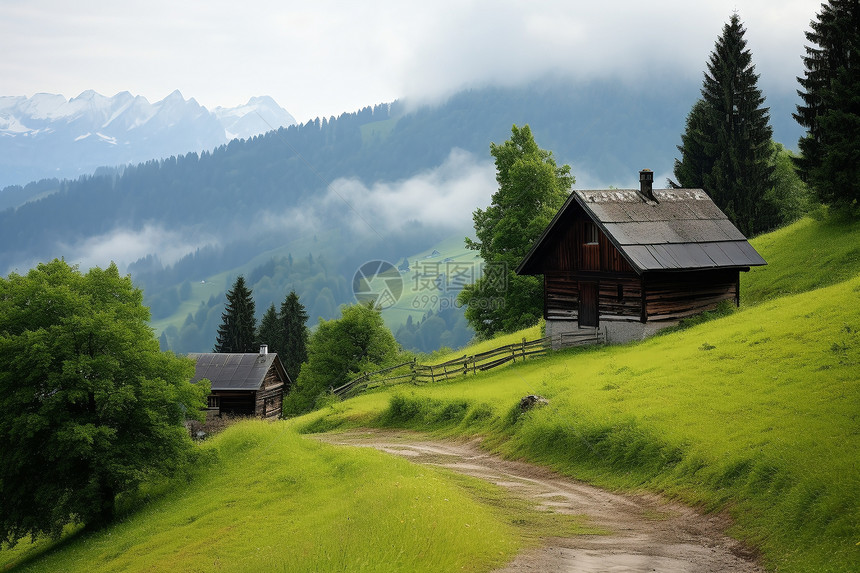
(322, 57)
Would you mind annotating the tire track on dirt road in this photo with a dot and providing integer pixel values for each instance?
(646, 532)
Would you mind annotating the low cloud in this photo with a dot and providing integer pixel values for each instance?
(336, 56)
(444, 197)
(508, 43)
(124, 246)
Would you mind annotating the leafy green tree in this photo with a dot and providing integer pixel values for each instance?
(792, 196)
(341, 349)
(237, 331)
(293, 318)
(90, 405)
(532, 188)
(726, 148)
(830, 112)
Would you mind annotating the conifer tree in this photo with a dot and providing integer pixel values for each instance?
(690, 170)
(294, 331)
(270, 332)
(237, 331)
(830, 112)
(728, 136)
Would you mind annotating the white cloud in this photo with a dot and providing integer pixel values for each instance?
(327, 57)
(124, 246)
(442, 197)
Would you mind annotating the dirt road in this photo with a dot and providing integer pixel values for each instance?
(647, 532)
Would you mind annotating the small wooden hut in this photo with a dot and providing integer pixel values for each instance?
(245, 384)
(629, 262)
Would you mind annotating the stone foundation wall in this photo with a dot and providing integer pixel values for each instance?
(613, 332)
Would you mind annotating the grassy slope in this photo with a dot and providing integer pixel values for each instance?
(421, 291)
(757, 413)
(275, 501)
(806, 255)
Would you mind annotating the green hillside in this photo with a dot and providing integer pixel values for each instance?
(267, 499)
(755, 414)
(430, 285)
(806, 255)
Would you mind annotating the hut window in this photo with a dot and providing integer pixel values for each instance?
(590, 233)
(620, 296)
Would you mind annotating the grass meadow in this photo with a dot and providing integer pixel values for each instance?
(755, 414)
(267, 499)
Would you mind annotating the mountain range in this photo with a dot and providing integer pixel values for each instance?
(49, 136)
(302, 207)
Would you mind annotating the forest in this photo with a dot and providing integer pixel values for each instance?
(243, 207)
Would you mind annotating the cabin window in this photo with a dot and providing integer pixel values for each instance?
(620, 295)
(590, 233)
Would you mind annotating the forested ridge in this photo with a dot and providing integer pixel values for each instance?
(605, 130)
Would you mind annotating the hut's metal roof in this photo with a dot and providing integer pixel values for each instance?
(228, 371)
(683, 229)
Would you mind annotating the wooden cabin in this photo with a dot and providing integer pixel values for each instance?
(245, 384)
(628, 262)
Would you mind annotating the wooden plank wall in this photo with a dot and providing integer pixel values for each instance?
(671, 296)
(561, 296)
(628, 306)
(561, 293)
(269, 402)
(569, 252)
(270, 397)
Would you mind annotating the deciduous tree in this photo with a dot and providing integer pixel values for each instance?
(90, 404)
(340, 349)
(532, 188)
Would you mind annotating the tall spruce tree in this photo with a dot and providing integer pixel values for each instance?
(690, 170)
(270, 332)
(294, 331)
(237, 331)
(830, 112)
(726, 148)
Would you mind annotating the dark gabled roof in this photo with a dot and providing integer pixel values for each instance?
(227, 371)
(682, 230)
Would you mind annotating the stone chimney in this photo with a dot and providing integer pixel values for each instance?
(646, 184)
(264, 349)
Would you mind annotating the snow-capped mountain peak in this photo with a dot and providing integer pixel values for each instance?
(47, 136)
(259, 115)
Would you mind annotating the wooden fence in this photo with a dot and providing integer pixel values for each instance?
(417, 373)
